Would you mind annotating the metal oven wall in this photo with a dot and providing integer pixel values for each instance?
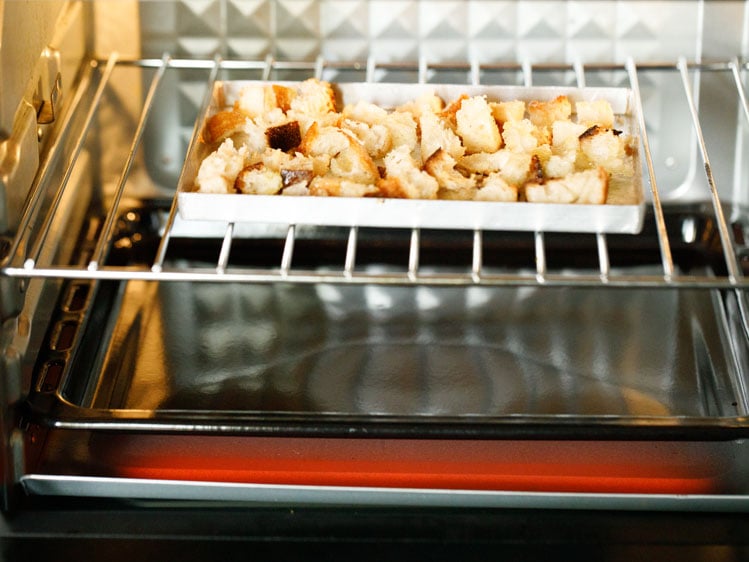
(346, 38)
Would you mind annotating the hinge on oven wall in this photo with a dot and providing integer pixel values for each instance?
(48, 94)
(19, 162)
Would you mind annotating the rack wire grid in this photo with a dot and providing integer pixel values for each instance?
(25, 256)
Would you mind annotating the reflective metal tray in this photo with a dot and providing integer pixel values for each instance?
(317, 359)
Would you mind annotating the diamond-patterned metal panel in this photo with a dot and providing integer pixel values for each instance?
(437, 30)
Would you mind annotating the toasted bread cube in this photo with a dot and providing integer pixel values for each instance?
(300, 189)
(413, 182)
(284, 137)
(520, 136)
(495, 188)
(273, 158)
(477, 127)
(256, 99)
(441, 166)
(602, 147)
(504, 111)
(392, 188)
(314, 103)
(278, 161)
(565, 137)
(219, 170)
(290, 177)
(365, 112)
(354, 164)
(595, 112)
(481, 162)
(375, 138)
(435, 135)
(223, 125)
(403, 131)
(284, 96)
(253, 137)
(428, 102)
(586, 187)
(544, 113)
(315, 98)
(323, 140)
(559, 166)
(337, 187)
(258, 180)
(449, 113)
(513, 167)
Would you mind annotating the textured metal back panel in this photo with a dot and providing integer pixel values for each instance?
(524, 30)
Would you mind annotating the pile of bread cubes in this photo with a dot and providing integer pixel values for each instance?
(292, 140)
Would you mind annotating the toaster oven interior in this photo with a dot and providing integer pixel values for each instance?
(127, 323)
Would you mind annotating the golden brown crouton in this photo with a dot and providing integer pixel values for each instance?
(513, 167)
(480, 163)
(323, 140)
(284, 96)
(602, 147)
(544, 113)
(220, 168)
(520, 136)
(392, 188)
(258, 180)
(477, 127)
(435, 135)
(365, 112)
(586, 187)
(354, 164)
(598, 112)
(315, 98)
(565, 136)
(375, 138)
(414, 182)
(504, 111)
(428, 102)
(337, 187)
(448, 114)
(403, 131)
(256, 100)
(495, 188)
(223, 125)
(441, 166)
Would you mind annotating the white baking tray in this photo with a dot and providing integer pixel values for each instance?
(622, 213)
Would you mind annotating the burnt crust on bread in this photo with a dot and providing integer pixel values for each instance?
(290, 177)
(285, 137)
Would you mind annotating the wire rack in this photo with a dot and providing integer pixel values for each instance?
(25, 256)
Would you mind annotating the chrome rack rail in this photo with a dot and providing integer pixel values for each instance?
(24, 258)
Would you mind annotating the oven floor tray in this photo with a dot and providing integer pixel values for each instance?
(454, 361)
(267, 495)
(507, 375)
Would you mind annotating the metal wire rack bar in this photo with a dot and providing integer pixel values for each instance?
(468, 66)
(476, 273)
(105, 237)
(723, 229)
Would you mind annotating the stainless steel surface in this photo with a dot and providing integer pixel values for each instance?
(247, 355)
(563, 344)
(259, 494)
(706, 74)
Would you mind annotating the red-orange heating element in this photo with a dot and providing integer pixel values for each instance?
(563, 466)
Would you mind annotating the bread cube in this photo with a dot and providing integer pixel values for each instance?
(477, 127)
